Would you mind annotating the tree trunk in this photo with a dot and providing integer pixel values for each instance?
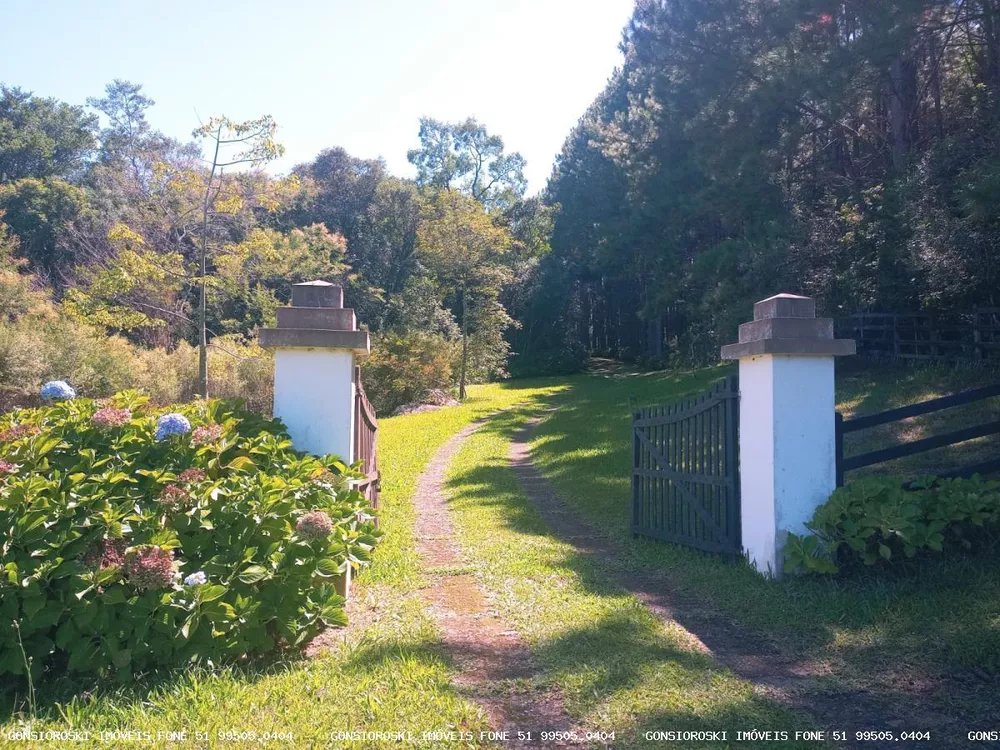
(202, 309)
(203, 267)
(992, 62)
(902, 96)
(202, 338)
(936, 57)
(465, 346)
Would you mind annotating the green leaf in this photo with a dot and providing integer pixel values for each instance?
(240, 463)
(328, 567)
(253, 574)
(114, 595)
(122, 658)
(32, 606)
(210, 592)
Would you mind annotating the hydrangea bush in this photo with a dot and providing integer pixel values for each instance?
(881, 521)
(57, 390)
(133, 538)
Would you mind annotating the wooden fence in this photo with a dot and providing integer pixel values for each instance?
(913, 447)
(365, 433)
(972, 337)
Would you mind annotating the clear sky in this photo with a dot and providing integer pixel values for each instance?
(351, 73)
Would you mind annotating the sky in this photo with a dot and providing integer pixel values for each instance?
(357, 74)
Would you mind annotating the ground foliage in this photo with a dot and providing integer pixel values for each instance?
(882, 521)
(125, 549)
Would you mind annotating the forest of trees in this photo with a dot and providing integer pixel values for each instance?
(110, 229)
(845, 150)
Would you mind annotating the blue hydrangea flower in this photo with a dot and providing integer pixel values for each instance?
(195, 578)
(171, 424)
(58, 390)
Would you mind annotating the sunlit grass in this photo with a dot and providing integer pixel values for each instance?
(875, 631)
(873, 390)
(619, 668)
(389, 675)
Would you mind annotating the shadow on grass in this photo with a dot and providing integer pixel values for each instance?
(56, 690)
(905, 635)
(879, 388)
(624, 654)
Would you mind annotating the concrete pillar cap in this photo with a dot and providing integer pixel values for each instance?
(317, 319)
(787, 324)
(317, 293)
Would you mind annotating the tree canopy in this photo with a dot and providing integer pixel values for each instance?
(843, 151)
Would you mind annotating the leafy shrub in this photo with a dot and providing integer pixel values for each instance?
(47, 346)
(404, 366)
(122, 553)
(879, 521)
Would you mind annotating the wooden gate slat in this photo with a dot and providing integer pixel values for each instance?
(679, 480)
(685, 485)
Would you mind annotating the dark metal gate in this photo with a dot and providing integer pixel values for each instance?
(685, 472)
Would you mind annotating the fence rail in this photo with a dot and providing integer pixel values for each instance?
(365, 433)
(685, 477)
(972, 336)
(845, 426)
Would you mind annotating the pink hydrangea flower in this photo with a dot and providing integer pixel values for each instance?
(107, 553)
(7, 468)
(172, 496)
(149, 568)
(190, 476)
(111, 417)
(206, 434)
(314, 525)
(17, 432)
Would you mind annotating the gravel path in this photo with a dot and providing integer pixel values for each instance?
(495, 666)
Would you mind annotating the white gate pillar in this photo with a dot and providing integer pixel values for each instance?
(787, 447)
(316, 345)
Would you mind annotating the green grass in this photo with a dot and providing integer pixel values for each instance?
(619, 668)
(389, 675)
(884, 632)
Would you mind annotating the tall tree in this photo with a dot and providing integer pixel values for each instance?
(844, 151)
(232, 144)
(39, 212)
(464, 156)
(464, 249)
(42, 137)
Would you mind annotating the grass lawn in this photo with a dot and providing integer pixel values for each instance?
(619, 668)
(892, 635)
(388, 675)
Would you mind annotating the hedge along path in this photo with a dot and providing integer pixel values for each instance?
(493, 662)
(802, 687)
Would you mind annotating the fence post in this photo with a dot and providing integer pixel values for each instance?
(636, 453)
(316, 346)
(838, 436)
(787, 428)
